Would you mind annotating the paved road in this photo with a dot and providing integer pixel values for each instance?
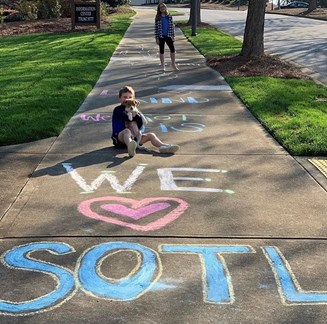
(231, 229)
(300, 40)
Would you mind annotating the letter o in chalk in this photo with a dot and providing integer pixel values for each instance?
(127, 288)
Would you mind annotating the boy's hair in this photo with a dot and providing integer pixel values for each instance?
(126, 89)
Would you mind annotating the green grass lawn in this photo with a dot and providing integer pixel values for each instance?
(294, 111)
(44, 78)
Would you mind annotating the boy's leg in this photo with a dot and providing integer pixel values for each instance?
(152, 138)
(136, 133)
(155, 141)
(125, 136)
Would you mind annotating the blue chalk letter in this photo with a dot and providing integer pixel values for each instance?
(126, 288)
(217, 281)
(18, 258)
(288, 287)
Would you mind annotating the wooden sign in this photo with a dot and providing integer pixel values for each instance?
(85, 13)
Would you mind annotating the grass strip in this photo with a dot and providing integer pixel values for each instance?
(44, 78)
(294, 111)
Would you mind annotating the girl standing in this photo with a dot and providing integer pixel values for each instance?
(165, 33)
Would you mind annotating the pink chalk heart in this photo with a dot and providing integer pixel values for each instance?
(137, 209)
(135, 213)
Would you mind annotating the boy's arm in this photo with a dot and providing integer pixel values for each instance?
(119, 114)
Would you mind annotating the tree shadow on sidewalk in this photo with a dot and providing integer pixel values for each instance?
(110, 155)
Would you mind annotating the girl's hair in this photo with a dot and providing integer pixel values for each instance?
(126, 89)
(158, 16)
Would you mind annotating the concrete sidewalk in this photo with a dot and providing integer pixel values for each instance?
(231, 229)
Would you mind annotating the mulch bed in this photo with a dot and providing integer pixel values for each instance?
(59, 25)
(260, 66)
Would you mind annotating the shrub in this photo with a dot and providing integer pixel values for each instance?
(65, 8)
(27, 10)
(104, 9)
(48, 9)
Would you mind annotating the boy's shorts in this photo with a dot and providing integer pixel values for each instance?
(118, 144)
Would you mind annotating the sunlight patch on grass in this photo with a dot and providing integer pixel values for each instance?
(211, 42)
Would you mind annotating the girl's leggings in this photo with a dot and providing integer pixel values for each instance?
(170, 43)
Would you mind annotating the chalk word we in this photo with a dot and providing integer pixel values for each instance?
(166, 177)
(216, 279)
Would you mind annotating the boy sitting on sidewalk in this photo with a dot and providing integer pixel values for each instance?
(122, 137)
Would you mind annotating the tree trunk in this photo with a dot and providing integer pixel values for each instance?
(253, 45)
(198, 13)
(312, 5)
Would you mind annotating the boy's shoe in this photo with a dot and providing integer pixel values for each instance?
(169, 148)
(131, 148)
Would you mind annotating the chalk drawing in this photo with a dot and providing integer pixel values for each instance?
(19, 258)
(217, 282)
(168, 283)
(167, 180)
(289, 289)
(166, 177)
(133, 286)
(159, 75)
(144, 276)
(132, 213)
(104, 92)
(165, 100)
(183, 127)
(179, 87)
(190, 64)
(95, 118)
(168, 100)
(163, 128)
(105, 176)
(136, 211)
(178, 117)
(190, 128)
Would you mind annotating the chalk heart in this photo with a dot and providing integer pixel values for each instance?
(137, 209)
